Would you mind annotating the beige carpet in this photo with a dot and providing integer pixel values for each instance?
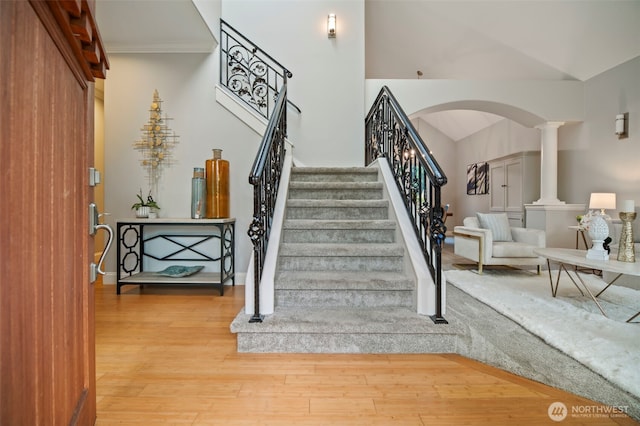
(571, 322)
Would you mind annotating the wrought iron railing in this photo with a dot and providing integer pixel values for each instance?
(249, 72)
(260, 82)
(265, 178)
(390, 134)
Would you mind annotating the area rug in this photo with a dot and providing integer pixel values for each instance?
(570, 322)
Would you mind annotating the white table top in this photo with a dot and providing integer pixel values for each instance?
(175, 220)
(579, 258)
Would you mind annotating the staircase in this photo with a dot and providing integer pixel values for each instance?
(342, 284)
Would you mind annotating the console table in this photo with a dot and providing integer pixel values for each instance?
(171, 241)
(578, 258)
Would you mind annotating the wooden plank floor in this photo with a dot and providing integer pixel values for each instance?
(166, 356)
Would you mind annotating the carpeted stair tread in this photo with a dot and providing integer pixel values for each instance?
(334, 170)
(335, 185)
(345, 280)
(338, 224)
(314, 203)
(395, 320)
(335, 190)
(332, 174)
(341, 250)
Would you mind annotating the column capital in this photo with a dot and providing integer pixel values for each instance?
(550, 125)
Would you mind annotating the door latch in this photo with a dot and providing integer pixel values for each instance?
(94, 226)
(94, 176)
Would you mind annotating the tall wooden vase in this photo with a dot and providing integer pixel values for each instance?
(217, 174)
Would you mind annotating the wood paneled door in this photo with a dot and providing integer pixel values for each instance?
(47, 356)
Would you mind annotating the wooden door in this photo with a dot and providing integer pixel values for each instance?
(47, 354)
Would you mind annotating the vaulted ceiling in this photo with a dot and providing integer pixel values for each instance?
(497, 40)
(473, 40)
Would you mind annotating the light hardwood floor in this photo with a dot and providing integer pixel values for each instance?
(166, 356)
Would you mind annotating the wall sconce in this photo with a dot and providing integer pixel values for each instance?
(622, 125)
(331, 25)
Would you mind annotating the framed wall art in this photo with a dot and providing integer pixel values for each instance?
(478, 178)
(482, 178)
(471, 179)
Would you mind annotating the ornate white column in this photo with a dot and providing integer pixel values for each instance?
(549, 163)
(555, 217)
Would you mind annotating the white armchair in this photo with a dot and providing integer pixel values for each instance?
(496, 243)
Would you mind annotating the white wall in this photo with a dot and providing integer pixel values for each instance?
(185, 83)
(591, 157)
(328, 84)
(328, 74)
(503, 138)
(443, 149)
(529, 103)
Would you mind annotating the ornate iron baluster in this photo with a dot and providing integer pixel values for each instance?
(265, 178)
(419, 178)
(249, 72)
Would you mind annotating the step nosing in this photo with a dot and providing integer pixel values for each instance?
(314, 202)
(347, 320)
(353, 247)
(335, 184)
(333, 224)
(336, 170)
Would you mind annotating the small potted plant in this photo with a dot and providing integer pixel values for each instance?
(144, 207)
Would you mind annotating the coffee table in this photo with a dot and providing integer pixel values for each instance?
(577, 258)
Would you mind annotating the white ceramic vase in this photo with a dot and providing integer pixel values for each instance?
(143, 211)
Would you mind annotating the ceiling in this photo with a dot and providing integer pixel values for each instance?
(158, 26)
(473, 40)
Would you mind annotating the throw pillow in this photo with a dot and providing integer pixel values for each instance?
(498, 223)
(177, 271)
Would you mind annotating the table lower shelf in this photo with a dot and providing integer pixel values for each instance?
(201, 279)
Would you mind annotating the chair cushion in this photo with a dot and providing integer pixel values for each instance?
(498, 223)
(513, 249)
(471, 222)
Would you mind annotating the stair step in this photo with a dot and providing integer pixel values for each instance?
(340, 284)
(341, 257)
(337, 209)
(332, 231)
(348, 280)
(335, 190)
(343, 298)
(349, 250)
(334, 289)
(345, 330)
(333, 174)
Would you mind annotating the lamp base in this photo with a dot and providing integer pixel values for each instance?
(597, 252)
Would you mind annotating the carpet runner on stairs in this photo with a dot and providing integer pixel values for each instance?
(342, 283)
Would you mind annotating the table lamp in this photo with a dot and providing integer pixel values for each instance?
(602, 201)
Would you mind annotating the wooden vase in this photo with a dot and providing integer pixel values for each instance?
(217, 175)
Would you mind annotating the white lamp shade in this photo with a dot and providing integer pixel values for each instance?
(602, 200)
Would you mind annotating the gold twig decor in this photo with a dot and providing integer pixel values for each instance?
(157, 142)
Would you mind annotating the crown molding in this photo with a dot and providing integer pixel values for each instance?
(197, 47)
